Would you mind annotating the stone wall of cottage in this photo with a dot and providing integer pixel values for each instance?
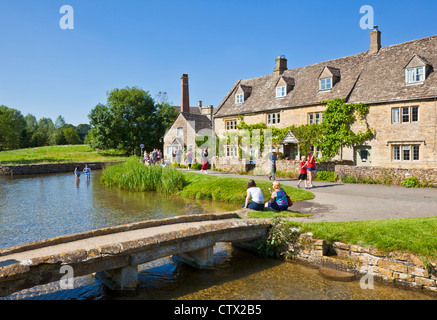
(386, 133)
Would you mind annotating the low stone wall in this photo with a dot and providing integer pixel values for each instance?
(396, 267)
(262, 166)
(389, 176)
(23, 169)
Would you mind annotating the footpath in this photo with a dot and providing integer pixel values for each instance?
(336, 201)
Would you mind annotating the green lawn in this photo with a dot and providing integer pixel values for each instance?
(415, 235)
(202, 186)
(51, 154)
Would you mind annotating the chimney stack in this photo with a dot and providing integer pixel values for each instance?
(185, 98)
(281, 66)
(375, 40)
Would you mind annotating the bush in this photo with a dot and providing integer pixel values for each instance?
(135, 176)
(411, 182)
(326, 176)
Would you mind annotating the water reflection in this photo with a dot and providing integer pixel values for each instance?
(45, 206)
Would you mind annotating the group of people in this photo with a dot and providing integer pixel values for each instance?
(154, 157)
(189, 157)
(308, 170)
(86, 170)
(278, 201)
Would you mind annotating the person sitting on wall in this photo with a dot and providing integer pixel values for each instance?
(254, 193)
(278, 201)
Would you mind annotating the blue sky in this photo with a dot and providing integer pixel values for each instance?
(48, 71)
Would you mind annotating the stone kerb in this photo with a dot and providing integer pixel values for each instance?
(43, 168)
(396, 267)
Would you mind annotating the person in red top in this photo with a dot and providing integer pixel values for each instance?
(311, 168)
(303, 172)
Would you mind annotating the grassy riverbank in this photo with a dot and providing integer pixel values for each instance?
(135, 176)
(54, 154)
(418, 235)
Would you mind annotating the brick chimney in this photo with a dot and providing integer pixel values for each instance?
(281, 66)
(185, 98)
(375, 40)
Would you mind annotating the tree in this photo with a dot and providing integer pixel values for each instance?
(82, 131)
(43, 132)
(335, 129)
(129, 119)
(12, 128)
(71, 135)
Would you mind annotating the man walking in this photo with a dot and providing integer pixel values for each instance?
(272, 161)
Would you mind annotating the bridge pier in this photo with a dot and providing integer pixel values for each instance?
(201, 258)
(121, 279)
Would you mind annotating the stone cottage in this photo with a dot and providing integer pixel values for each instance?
(398, 82)
(189, 124)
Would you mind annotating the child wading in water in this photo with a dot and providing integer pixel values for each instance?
(87, 171)
(303, 172)
(77, 172)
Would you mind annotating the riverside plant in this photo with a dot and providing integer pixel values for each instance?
(133, 175)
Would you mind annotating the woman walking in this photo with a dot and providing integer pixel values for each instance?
(312, 174)
(205, 161)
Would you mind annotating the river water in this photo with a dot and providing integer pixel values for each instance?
(44, 206)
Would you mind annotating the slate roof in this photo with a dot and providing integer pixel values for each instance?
(201, 121)
(364, 77)
(194, 110)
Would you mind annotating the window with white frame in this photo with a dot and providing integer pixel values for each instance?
(281, 91)
(315, 117)
(415, 75)
(405, 114)
(180, 132)
(274, 118)
(231, 124)
(325, 84)
(239, 98)
(231, 151)
(406, 152)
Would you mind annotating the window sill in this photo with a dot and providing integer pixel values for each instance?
(408, 84)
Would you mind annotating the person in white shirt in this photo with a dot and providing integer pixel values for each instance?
(254, 193)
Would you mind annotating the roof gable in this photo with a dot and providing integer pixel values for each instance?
(416, 61)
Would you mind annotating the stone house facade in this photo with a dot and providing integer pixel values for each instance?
(189, 124)
(398, 83)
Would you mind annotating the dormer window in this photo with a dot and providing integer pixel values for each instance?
(281, 91)
(328, 78)
(416, 70)
(415, 75)
(325, 84)
(283, 86)
(239, 98)
(242, 94)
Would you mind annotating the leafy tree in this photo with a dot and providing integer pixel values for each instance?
(82, 131)
(335, 129)
(71, 135)
(12, 128)
(128, 119)
(43, 132)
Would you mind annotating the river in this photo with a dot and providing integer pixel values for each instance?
(45, 206)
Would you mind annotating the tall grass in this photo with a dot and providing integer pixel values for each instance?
(133, 175)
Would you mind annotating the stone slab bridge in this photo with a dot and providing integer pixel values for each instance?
(114, 253)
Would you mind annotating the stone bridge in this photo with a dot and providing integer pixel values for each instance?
(114, 253)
